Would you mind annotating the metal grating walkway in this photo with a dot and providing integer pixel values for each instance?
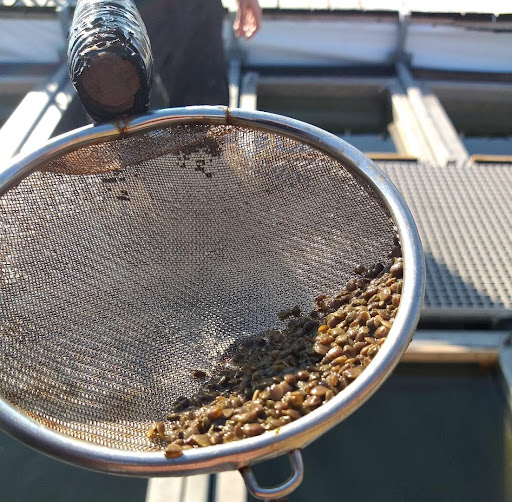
(463, 214)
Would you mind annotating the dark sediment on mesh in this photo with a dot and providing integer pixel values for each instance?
(267, 381)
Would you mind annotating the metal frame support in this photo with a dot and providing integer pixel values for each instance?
(406, 130)
(230, 487)
(65, 16)
(35, 118)
(226, 486)
(248, 91)
(434, 141)
(185, 489)
(437, 130)
(235, 57)
(400, 55)
(51, 117)
(420, 127)
(444, 126)
(234, 75)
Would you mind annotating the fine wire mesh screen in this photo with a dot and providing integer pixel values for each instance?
(117, 285)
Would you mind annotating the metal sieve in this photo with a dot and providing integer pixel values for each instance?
(134, 253)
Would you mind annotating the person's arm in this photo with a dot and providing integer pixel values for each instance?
(248, 18)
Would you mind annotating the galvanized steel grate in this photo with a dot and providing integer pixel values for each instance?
(464, 218)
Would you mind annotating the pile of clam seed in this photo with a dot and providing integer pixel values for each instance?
(273, 379)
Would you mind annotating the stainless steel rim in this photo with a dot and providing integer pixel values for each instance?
(298, 434)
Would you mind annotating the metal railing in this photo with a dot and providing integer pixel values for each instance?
(24, 4)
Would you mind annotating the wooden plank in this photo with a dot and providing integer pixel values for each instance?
(424, 352)
(390, 156)
(491, 159)
(440, 346)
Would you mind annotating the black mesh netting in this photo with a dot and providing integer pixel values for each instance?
(116, 285)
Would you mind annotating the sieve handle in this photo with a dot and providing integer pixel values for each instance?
(278, 491)
(109, 58)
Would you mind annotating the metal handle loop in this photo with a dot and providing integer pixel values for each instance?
(278, 491)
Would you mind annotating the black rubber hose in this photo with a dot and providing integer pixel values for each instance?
(109, 58)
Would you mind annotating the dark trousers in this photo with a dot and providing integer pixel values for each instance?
(188, 50)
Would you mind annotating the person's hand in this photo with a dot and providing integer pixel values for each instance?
(248, 18)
